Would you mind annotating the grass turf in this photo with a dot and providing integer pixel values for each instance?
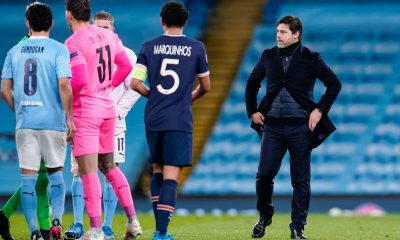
(239, 227)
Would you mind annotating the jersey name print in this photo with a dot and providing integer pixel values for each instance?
(174, 50)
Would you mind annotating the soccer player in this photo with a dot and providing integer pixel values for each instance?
(93, 52)
(171, 62)
(14, 202)
(124, 98)
(36, 85)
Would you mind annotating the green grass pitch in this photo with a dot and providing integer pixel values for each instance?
(238, 227)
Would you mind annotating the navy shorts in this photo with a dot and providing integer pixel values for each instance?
(171, 148)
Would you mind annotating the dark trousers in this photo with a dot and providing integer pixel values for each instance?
(280, 135)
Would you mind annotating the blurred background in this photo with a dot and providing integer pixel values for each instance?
(359, 39)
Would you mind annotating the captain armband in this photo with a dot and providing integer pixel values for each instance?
(139, 72)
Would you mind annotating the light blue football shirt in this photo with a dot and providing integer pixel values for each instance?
(35, 65)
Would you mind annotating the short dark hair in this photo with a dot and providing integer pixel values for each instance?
(39, 16)
(103, 15)
(293, 22)
(80, 9)
(174, 14)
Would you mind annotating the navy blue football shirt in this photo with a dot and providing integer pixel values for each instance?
(172, 63)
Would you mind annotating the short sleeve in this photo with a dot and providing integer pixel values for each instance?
(202, 64)
(142, 59)
(7, 71)
(140, 69)
(75, 53)
(62, 63)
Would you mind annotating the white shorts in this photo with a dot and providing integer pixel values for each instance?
(36, 145)
(119, 152)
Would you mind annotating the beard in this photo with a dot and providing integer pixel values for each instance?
(281, 44)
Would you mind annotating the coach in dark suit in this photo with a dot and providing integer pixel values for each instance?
(288, 119)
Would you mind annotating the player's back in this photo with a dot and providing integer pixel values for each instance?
(96, 48)
(35, 66)
(173, 62)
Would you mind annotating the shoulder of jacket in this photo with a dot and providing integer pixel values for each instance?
(307, 51)
(270, 50)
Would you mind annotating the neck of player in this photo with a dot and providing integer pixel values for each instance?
(174, 31)
(75, 26)
(40, 34)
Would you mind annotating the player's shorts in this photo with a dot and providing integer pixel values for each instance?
(93, 136)
(119, 152)
(119, 148)
(35, 145)
(171, 148)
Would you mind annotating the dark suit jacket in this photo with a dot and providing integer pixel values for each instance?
(299, 80)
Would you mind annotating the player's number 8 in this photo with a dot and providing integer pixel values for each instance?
(164, 72)
(30, 78)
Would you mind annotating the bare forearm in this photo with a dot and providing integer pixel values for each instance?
(143, 90)
(140, 87)
(9, 98)
(7, 92)
(66, 99)
(198, 93)
(203, 88)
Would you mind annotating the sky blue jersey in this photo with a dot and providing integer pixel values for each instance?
(35, 65)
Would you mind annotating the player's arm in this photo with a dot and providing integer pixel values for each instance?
(203, 75)
(7, 84)
(79, 78)
(7, 92)
(140, 87)
(129, 97)
(203, 88)
(65, 86)
(65, 89)
(139, 75)
(78, 67)
(124, 67)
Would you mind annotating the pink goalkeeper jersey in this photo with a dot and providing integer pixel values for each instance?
(95, 48)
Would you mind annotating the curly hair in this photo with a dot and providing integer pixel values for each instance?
(174, 14)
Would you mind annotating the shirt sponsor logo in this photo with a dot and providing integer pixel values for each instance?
(32, 103)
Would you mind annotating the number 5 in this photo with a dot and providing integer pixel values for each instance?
(164, 72)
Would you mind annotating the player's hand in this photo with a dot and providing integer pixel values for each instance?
(71, 129)
(315, 117)
(258, 118)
